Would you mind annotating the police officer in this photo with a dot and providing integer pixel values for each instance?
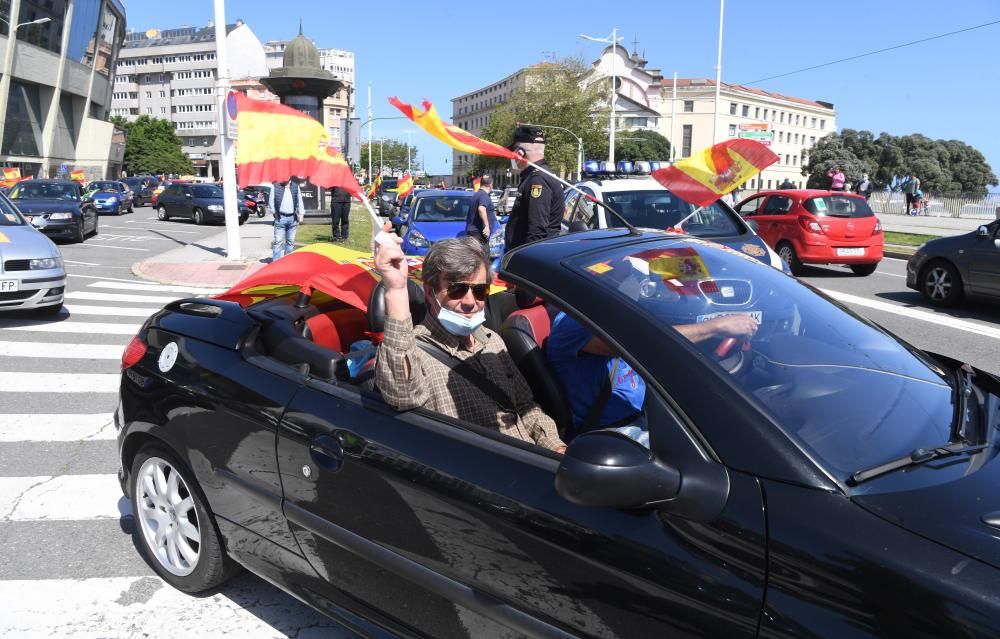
(538, 210)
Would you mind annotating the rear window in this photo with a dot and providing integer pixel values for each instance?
(838, 206)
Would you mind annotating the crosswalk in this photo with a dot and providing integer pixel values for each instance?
(68, 563)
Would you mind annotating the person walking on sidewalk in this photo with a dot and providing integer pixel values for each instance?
(289, 211)
(340, 209)
(837, 179)
(910, 187)
(865, 187)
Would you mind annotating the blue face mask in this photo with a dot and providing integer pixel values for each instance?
(458, 324)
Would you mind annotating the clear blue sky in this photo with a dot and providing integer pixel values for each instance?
(947, 88)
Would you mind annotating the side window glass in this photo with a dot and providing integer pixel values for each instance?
(586, 210)
(569, 204)
(750, 206)
(778, 205)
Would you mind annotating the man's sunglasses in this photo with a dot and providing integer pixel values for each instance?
(457, 290)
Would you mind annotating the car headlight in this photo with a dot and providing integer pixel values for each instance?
(61, 216)
(45, 263)
(215, 208)
(417, 239)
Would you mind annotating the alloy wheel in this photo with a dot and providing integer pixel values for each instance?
(167, 517)
(938, 284)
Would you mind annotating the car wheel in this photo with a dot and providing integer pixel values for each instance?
(199, 217)
(941, 284)
(177, 535)
(131, 208)
(864, 269)
(161, 214)
(50, 310)
(787, 253)
(78, 234)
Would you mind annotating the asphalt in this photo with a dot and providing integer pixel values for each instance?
(205, 263)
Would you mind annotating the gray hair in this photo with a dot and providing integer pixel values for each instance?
(455, 259)
(487, 180)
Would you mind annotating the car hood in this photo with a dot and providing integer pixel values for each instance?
(748, 245)
(44, 205)
(101, 197)
(949, 243)
(24, 242)
(436, 231)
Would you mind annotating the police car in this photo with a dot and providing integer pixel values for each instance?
(631, 191)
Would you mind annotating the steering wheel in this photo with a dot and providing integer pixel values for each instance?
(726, 345)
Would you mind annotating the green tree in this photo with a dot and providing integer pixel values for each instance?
(642, 145)
(151, 146)
(392, 154)
(554, 94)
(830, 152)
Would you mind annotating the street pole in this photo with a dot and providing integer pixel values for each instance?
(370, 124)
(408, 134)
(614, 95)
(381, 166)
(718, 78)
(673, 121)
(232, 212)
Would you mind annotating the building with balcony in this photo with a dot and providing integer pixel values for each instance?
(55, 90)
(172, 74)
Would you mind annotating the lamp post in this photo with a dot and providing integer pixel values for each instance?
(408, 132)
(8, 62)
(613, 40)
(718, 79)
(579, 143)
(230, 205)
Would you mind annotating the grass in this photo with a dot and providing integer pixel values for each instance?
(907, 239)
(359, 234)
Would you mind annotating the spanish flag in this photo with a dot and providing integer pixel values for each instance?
(375, 186)
(476, 183)
(712, 172)
(404, 187)
(457, 138)
(332, 169)
(11, 174)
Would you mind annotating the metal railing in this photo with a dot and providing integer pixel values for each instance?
(957, 205)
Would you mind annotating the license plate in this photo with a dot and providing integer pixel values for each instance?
(847, 252)
(8, 286)
(757, 315)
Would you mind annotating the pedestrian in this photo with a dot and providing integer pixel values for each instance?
(865, 187)
(910, 186)
(289, 211)
(340, 211)
(837, 178)
(538, 211)
(787, 184)
(481, 218)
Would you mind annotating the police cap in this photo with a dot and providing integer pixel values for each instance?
(527, 134)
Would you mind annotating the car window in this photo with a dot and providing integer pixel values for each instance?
(207, 191)
(850, 394)
(441, 208)
(778, 205)
(9, 215)
(838, 206)
(750, 206)
(569, 203)
(661, 209)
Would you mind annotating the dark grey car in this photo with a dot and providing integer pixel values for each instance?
(202, 203)
(949, 268)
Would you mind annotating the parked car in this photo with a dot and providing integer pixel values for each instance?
(154, 198)
(56, 208)
(948, 269)
(203, 203)
(110, 196)
(785, 492)
(32, 275)
(142, 186)
(644, 203)
(435, 215)
(507, 199)
(817, 227)
(495, 196)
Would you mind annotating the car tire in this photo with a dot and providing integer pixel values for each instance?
(941, 284)
(161, 214)
(78, 234)
(787, 253)
(864, 269)
(199, 217)
(50, 310)
(131, 208)
(188, 553)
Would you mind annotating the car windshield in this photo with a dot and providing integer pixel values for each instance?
(849, 393)
(838, 206)
(661, 209)
(38, 191)
(207, 191)
(9, 215)
(103, 186)
(441, 208)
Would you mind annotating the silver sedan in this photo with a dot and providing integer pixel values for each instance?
(32, 276)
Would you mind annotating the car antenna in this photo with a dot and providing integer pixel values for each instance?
(631, 229)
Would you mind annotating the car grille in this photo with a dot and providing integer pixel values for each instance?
(16, 265)
(16, 295)
(726, 292)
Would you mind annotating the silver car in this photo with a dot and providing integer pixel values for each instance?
(32, 276)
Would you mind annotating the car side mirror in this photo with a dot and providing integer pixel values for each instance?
(983, 231)
(606, 469)
(578, 225)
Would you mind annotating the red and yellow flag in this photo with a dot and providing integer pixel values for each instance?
(712, 172)
(11, 174)
(404, 187)
(79, 176)
(476, 183)
(375, 186)
(332, 169)
(453, 136)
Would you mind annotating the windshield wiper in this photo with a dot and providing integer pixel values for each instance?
(963, 391)
(918, 456)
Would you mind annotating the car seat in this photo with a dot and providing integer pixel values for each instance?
(337, 329)
(376, 306)
(525, 332)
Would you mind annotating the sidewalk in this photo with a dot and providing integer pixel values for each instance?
(929, 224)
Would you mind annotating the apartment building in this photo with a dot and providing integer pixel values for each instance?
(172, 74)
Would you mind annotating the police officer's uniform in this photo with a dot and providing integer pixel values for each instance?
(538, 210)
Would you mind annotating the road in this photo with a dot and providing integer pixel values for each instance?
(68, 563)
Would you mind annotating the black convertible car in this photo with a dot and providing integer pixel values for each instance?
(823, 480)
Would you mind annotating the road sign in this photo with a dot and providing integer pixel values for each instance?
(755, 126)
(230, 116)
(760, 136)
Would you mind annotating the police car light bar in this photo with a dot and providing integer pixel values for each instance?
(622, 168)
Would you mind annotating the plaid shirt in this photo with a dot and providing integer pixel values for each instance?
(433, 386)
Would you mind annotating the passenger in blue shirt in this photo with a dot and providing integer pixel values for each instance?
(584, 364)
(481, 220)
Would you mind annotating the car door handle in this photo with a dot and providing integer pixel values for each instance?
(327, 452)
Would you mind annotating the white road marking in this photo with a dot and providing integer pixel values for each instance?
(111, 246)
(111, 279)
(47, 498)
(889, 274)
(79, 309)
(81, 263)
(140, 228)
(50, 383)
(133, 238)
(139, 286)
(912, 313)
(88, 328)
(60, 351)
(145, 606)
(118, 297)
(56, 427)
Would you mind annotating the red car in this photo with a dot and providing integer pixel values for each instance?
(817, 227)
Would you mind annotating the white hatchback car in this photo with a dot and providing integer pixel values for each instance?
(646, 204)
(32, 276)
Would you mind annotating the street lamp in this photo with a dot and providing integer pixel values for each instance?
(613, 40)
(8, 63)
(579, 142)
(718, 80)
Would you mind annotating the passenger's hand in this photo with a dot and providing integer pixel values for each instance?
(560, 449)
(742, 326)
(390, 261)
